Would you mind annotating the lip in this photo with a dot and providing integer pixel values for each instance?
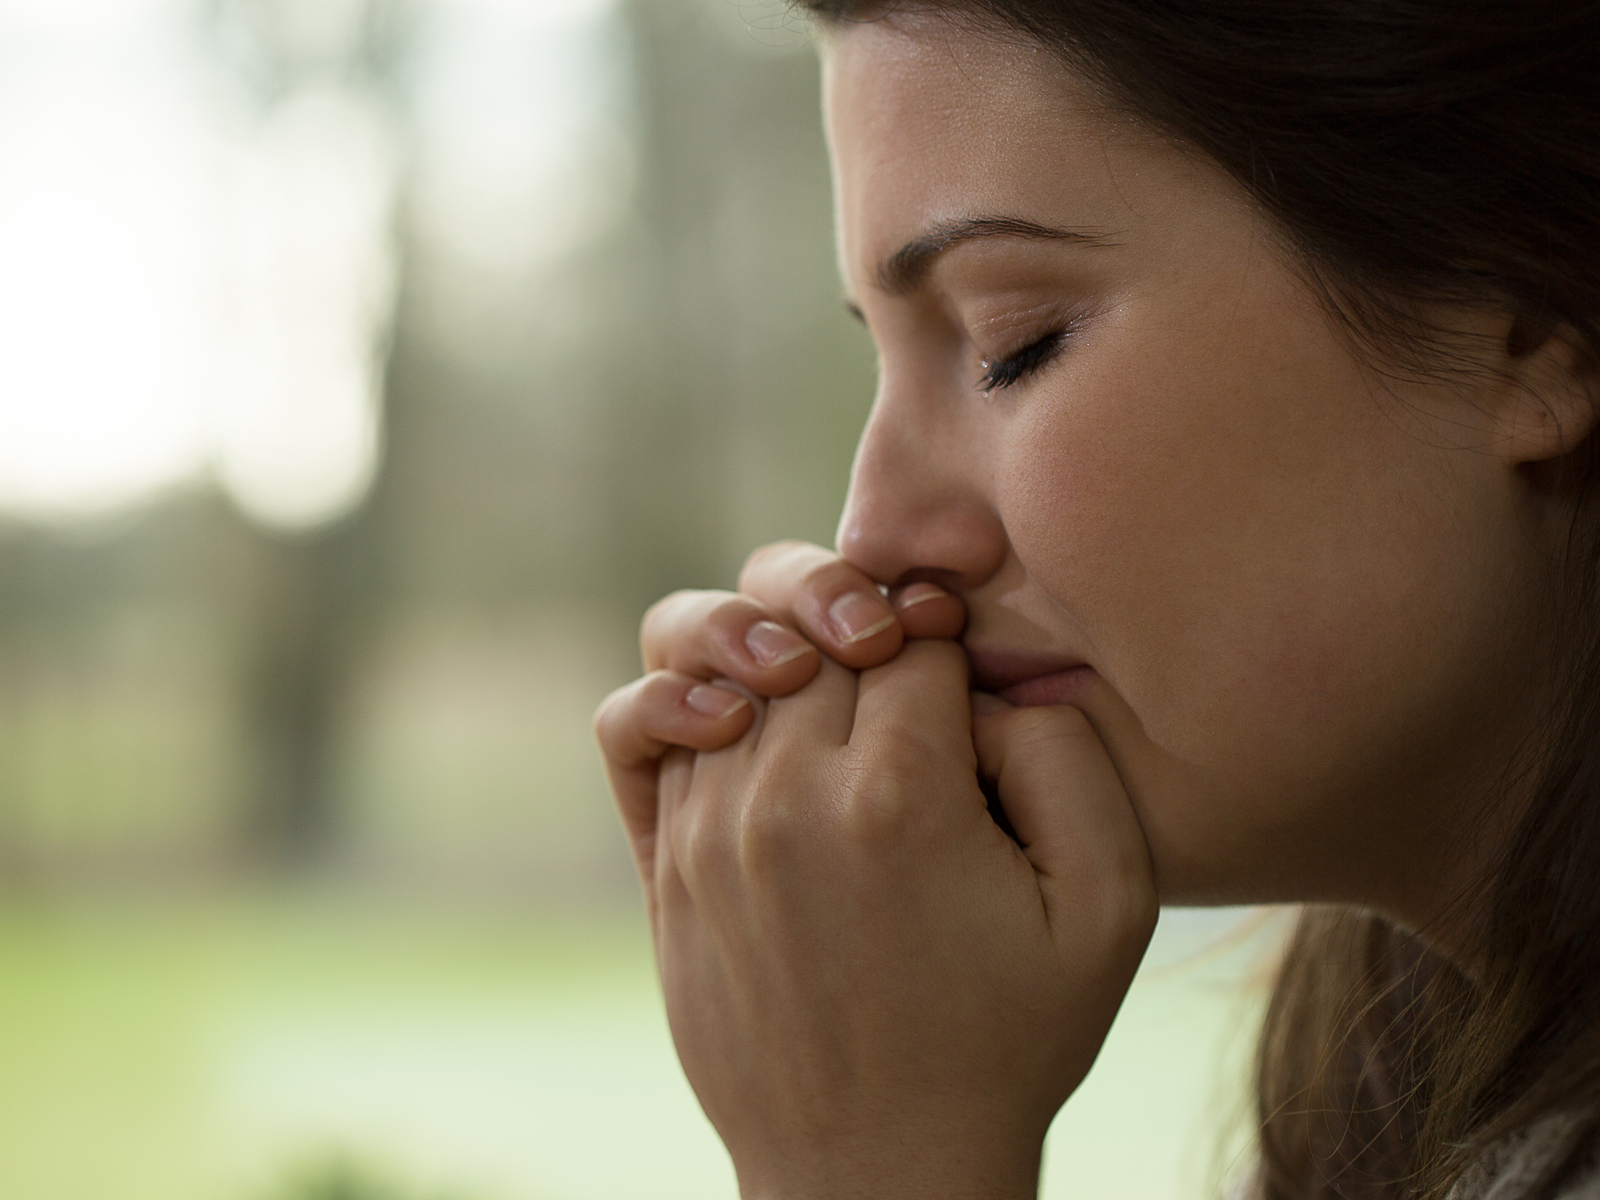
(1026, 680)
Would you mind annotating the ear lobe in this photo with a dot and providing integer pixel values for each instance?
(1551, 403)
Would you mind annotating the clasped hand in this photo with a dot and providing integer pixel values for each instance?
(873, 989)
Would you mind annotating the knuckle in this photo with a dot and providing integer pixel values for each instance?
(762, 557)
(700, 848)
(878, 818)
(662, 617)
(615, 711)
(779, 560)
(768, 835)
(733, 612)
(665, 607)
(1073, 722)
(1034, 726)
(687, 627)
(899, 751)
(657, 689)
(834, 576)
(773, 817)
(938, 654)
(879, 807)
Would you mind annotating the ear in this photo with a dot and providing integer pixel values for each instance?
(1550, 400)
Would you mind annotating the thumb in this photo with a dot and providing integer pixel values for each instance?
(1072, 817)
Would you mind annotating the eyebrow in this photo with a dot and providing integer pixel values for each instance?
(905, 269)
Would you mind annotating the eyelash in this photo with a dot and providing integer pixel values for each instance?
(1031, 358)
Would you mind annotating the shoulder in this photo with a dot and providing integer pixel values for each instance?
(1520, 1166)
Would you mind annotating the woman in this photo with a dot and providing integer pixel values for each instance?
(1225, 516)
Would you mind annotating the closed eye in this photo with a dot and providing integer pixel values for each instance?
(1005, 372)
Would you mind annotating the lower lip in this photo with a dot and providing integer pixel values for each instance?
(1063, 687)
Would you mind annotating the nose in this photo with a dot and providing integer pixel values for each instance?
(920, 503)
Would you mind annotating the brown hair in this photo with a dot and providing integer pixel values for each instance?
(1413, 152)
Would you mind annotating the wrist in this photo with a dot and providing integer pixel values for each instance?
(901, 1172)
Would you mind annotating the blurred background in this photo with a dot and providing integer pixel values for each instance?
(366, 367)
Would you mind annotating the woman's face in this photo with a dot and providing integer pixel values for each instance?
(1293, 597)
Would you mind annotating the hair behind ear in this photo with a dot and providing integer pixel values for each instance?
(1552, 401)
(1528, 333)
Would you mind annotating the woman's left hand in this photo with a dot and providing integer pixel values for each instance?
(873, 990)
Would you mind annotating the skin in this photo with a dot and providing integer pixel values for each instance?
(1249, 619)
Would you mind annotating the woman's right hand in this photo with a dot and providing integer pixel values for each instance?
(708, 654)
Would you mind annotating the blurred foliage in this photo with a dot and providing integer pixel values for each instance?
(164, 1049)
(404, 696)
(343, 1178)
(399, 702)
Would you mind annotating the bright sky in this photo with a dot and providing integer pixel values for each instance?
(193, 289)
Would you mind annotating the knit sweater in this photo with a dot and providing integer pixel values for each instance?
(1510, 1169)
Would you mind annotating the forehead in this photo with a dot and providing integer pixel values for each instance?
(921, 68)
(929, 122)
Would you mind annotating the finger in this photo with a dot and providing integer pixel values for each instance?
(697, 860)
(665, 890)
(712, 634)
(920, 700)
(820, 714)
(1071, 814)
(636, 724)
(837, 606)
(926, 610)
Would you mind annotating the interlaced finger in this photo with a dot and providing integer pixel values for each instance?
(637, 724)
(710, 634)
(842, 609)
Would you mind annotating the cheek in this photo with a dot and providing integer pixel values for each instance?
(1262, 563)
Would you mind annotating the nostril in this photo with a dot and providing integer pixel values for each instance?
(918, 513)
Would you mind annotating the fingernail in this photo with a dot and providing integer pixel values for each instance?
(920, 593)
(771, 645)
(856, 616)
(711, 701)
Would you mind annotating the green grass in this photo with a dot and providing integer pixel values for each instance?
(324, 1049)
(339, 1178)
